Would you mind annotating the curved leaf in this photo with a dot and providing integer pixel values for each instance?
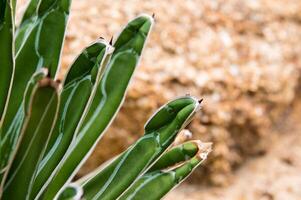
(6, 50)
(74, 98)
(40, 116)
(171, 169)
(40, 46)
(8, 142)
(108, 98)
(113, 180)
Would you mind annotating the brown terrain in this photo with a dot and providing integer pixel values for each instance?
(273, 176)
(242, 57)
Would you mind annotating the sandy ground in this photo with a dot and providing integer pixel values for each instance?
(273, 176)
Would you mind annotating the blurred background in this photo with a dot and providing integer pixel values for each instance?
(243, 57)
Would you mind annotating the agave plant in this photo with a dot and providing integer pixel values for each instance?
(49, 127)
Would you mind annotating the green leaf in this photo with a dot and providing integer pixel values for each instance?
(39, 47)
(108, 98)
(166, 114)
(128, 48)
(41, 111)
(168, 172)
(113, 180)
(74, 97)
(6, 50)
(8, 143)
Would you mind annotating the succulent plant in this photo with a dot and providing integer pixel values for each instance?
(49, 127)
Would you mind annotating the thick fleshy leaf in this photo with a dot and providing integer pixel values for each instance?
(41, 111)
(165, 114)
(113, 180)
(128, 49)
(74, 97)
(6, 50)
(8, 143)
(169, 171)
(181, 153)
(40, 46)
(108, 98)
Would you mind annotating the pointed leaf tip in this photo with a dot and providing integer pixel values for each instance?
(111, 41)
